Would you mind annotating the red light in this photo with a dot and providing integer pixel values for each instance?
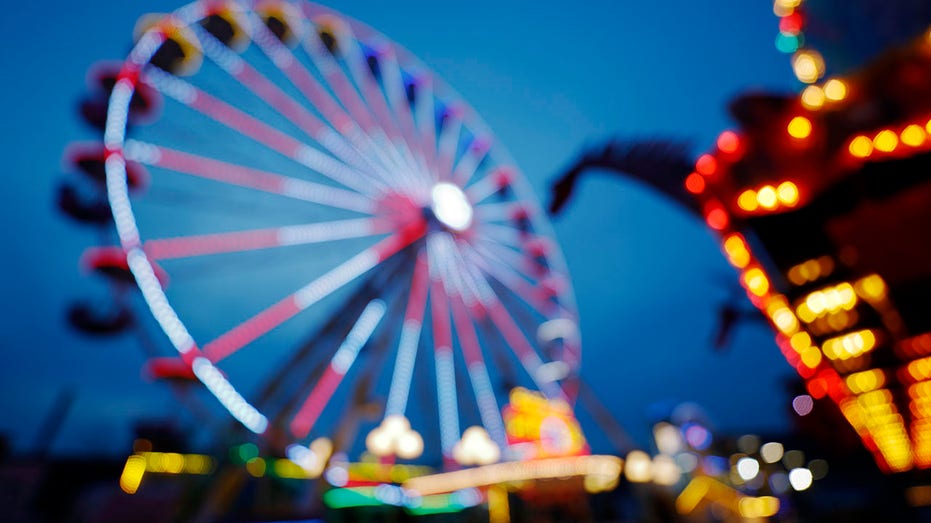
(717, 219)
(817, 388)
(728, 142)
(706, 165)
(791, 24)
(695, 184)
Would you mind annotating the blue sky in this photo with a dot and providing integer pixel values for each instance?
(548, 79)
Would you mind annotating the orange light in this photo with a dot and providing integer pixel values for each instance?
(747, 200)
(886, 141)
(787, 193)
(756, 281)
(861, 147)
(913, 135)
(717, 219)
(736, 250)
(728, 142)
(808, 66)
(706, 164)
(694, 183)
(835, 90)
(813, 97)
(799, 127)
(811, 357)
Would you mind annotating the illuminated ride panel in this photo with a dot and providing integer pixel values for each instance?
(823, 204)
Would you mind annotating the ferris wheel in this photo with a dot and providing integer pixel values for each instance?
(315, 221)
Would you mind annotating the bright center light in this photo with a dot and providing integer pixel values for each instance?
(451, 207)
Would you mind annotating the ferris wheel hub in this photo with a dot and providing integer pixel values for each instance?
(451, 206)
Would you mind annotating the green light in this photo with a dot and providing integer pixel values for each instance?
(788, 43)
(244, 452)
(351, 497)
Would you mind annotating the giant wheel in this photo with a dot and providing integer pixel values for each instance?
(307, 175)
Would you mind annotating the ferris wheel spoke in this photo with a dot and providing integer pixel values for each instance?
(263, 322)
(510, 279)
(409, 340)
(498, 212)
(342, 361)
(284, 104)
(261, 132)
(316, 94)
(447, 401)
(478, 374)
(239, 241)
(234, 174)
(448, 142)
(469, 162)
(517, 260)
(488, 185)
(396, 94)
(425, 119)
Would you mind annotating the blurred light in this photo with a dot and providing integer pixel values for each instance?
(799, 127)
(767, 197)
(394, 436)
(668, 438)
(871, 287)
(811, 357)
(818, 468)
(716, 219)
(748, 443)
(865, 381)
(850, 345)
(476, 448)
(793, 459)
(800, 341)
(861, 147)
(758, 507)
(748, 468)
(791, 23)
(885, 141)
(706, 165)
(913, 135)
(747, 200)
(451, 207)
(771, 452)
(803, 404)
(810, 270)
(687, 461)
(787, 42)
(728, 142)
(337, 475)
(638, 467)
(132, 473)
(736, 250)
(256, 467)
(695, 183)
(835, 90)
(665, 471)
(812, 97)
(787, 192)
(756, 282)
(808, 66)
(800, 478)
(698, 437)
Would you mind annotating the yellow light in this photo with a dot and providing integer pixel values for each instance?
(756, 281)
(835, 90)
(665, 471)
(788, 4)
(784, 320)
(800, 341)
(132, 473)
(758, 507)
(872, 287)
(499, 510)
(787, 193)
(811, 357)
(850, 345)
(866, 381)
(913, 135)
(808, 66)
(767, 197)
(861, 147)
(885, 141)
(813, 97)
(174, 463)
(736, 251)
(256, 467)
(747, 200)
(799, 127)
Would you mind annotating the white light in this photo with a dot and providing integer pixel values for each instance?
(800, 478)
(451, 207)
(771, 452)
(748, 468)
